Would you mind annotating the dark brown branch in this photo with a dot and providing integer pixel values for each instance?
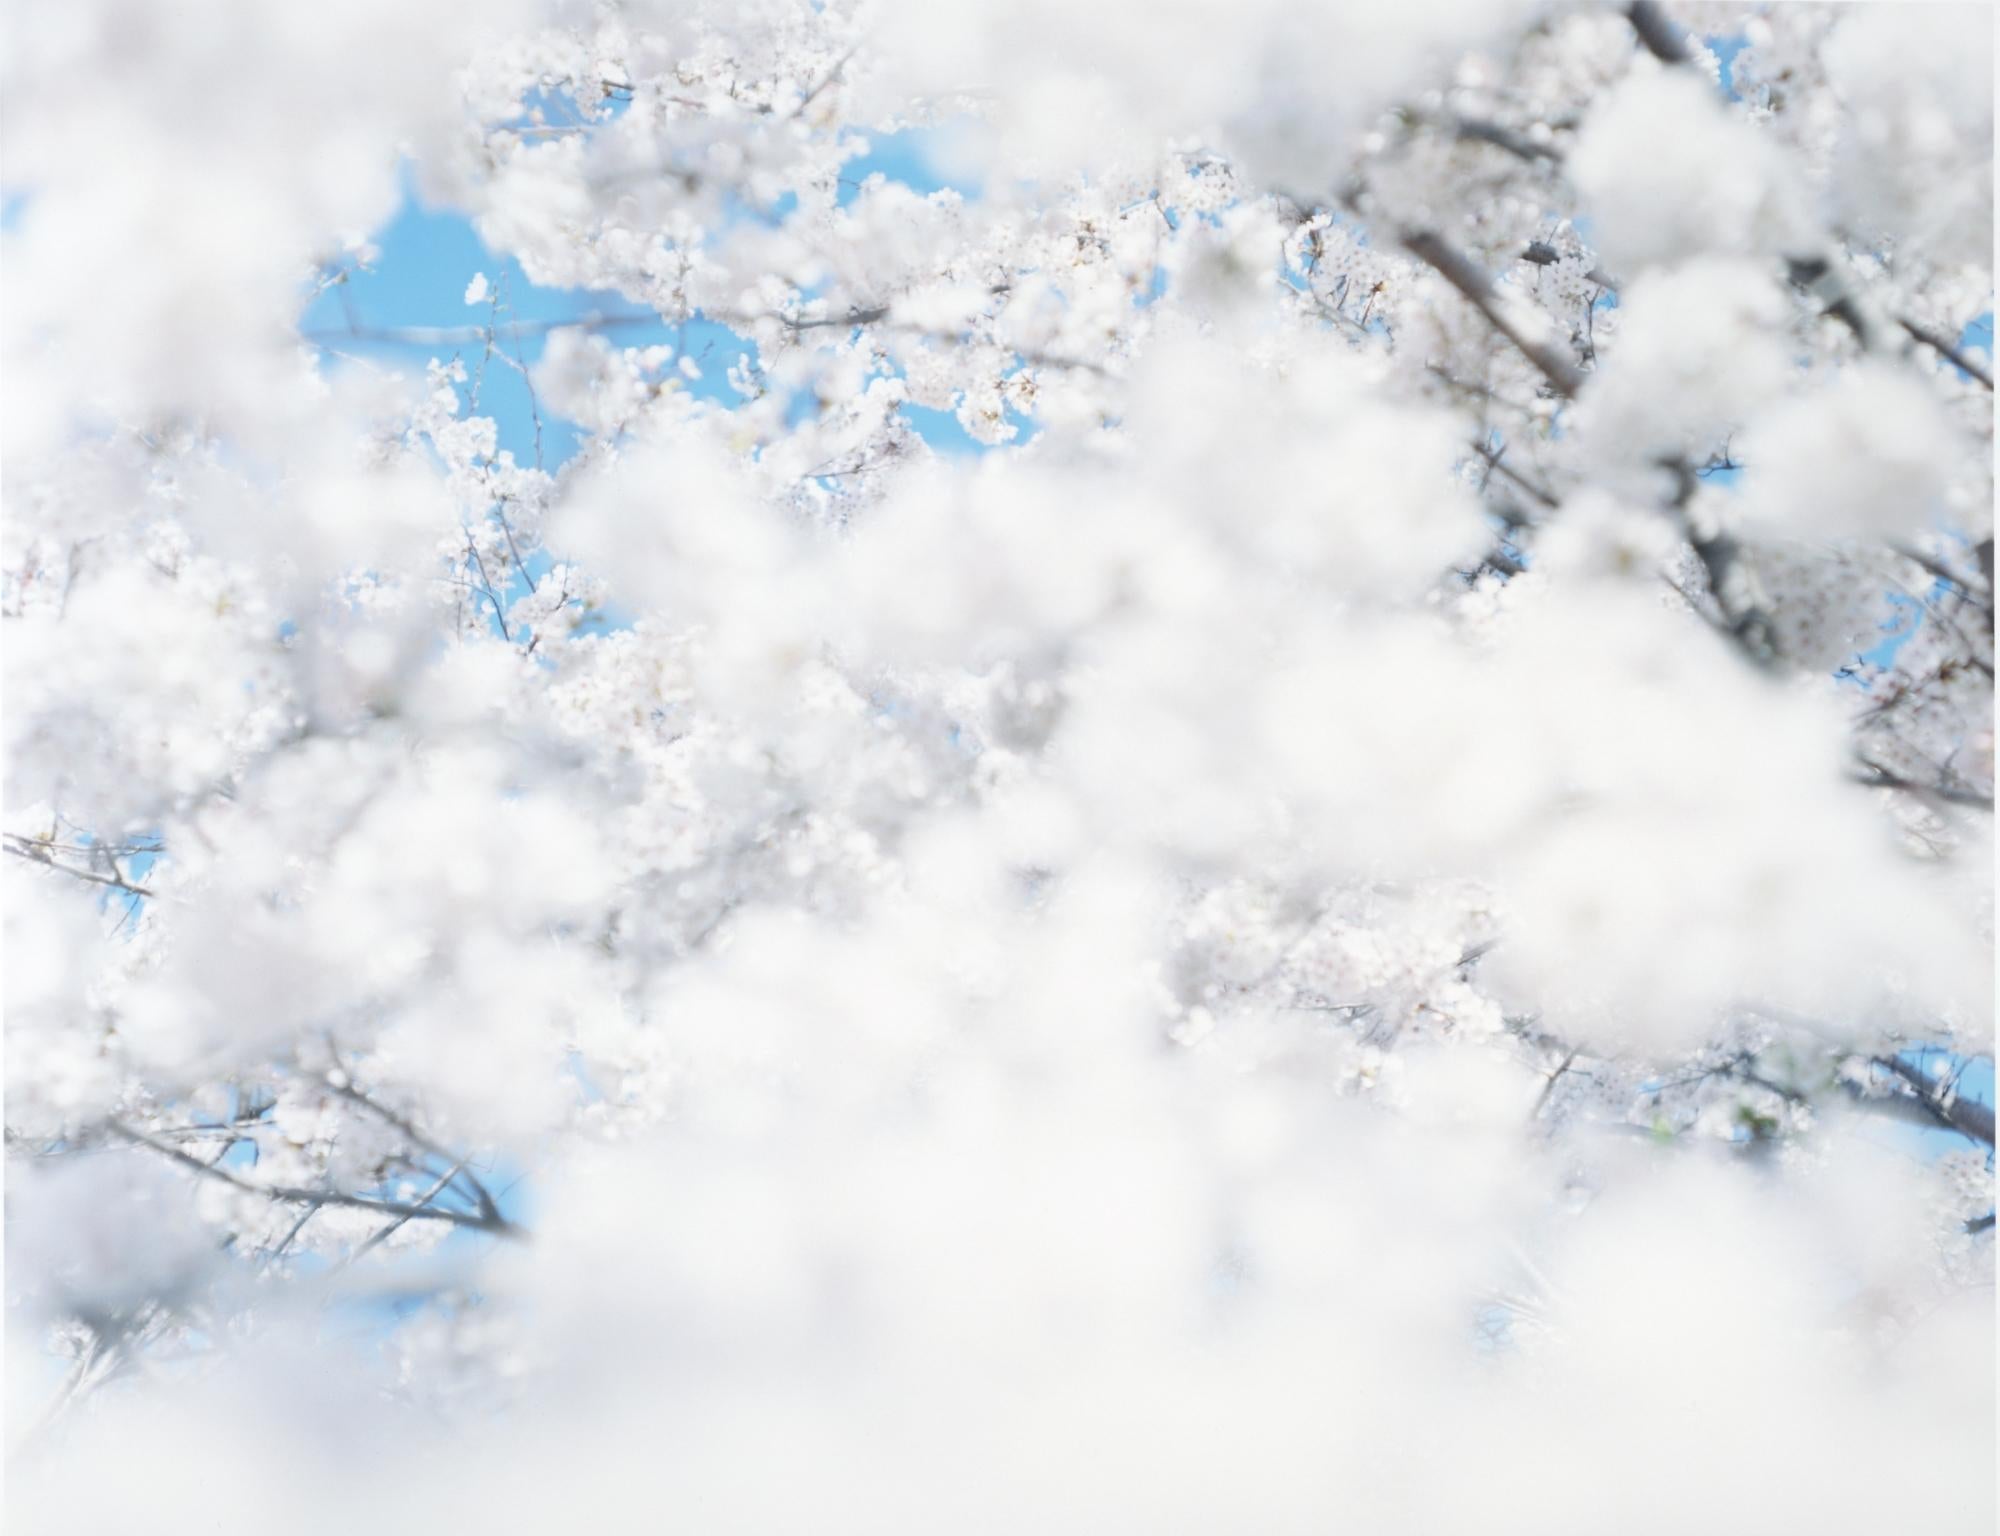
(1469, 279)
(1663, 40)
(1432, 249)
(1541, 254)
(422, 1204)
(1499, 562)
(1749, 628)
(482, 1221)
(853, 317)
(1479, 131)
(1968, 1117)
(1875, 776)
(1507, 472)
(1944, 573)
(1815, 275)
(1947, 351)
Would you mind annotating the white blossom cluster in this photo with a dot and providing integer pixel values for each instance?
(1377, 915)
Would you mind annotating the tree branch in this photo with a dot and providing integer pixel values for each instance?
(1875, 776)
(1968, 1117)
(1479, 131)
(1431, 248)
(1507, 472)
(417, 1138)
(1663, 40)
(1947, 351)
(34, 853)
(482, 1221)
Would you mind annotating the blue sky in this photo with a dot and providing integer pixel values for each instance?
(429, 256)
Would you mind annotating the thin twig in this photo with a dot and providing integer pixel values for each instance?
(823, 82)
(24, 848)
(417, 1138)
(1506, 471)
(403, 1220)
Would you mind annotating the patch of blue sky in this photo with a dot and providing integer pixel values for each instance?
(945, 433)
(919, 158)
(578, 1067)
(773, 214)
(1493, 1328)
(240, 1156)
(139, 865)
(544, 107)
(941, 430)
(371, 1306)
(1725, 48)
(1905, 613)
(428, 257)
